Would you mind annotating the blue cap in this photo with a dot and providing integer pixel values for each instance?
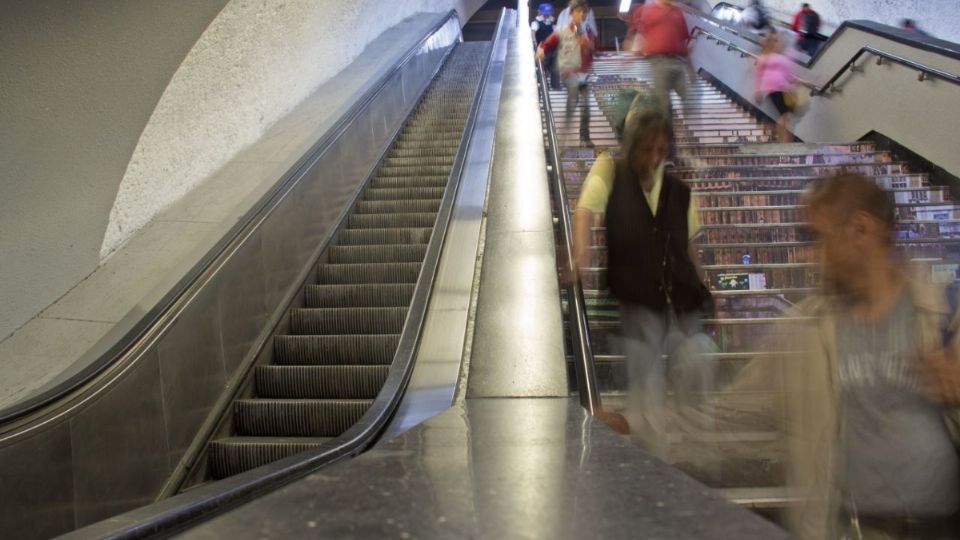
(545, 7)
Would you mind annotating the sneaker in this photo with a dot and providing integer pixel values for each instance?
(586, 142)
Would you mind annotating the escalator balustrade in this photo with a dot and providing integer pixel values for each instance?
(327, 369)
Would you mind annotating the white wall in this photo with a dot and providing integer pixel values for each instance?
(112, 110)
(78, 81)
(940, 18)
(256, 61)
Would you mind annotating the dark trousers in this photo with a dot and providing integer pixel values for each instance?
(550, 62)
(809, 45)
(578, 93)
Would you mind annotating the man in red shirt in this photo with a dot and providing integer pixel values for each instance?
(666, 39)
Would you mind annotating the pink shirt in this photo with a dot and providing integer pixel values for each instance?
(774, 73)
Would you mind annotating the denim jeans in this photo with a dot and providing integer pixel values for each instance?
(578, 93)
(651, 339)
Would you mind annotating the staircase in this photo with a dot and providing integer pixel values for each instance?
(758, 256)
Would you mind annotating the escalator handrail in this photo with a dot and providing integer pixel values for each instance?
(815, 90)
(140, 327)
(180, 512)
(920, 42)
(576, 305)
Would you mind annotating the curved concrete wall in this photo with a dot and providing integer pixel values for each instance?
(940, 18)
(112, 110)
(256, 62)
(80, 79)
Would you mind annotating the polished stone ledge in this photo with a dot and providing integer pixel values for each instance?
(496, 468)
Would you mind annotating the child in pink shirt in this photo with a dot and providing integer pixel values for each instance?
(774, 79)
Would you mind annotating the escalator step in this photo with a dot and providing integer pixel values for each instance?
(235, 455)
(400, 207)
(422, 151)
(389, 221)
(394, 182)
(320, 382)
(298, 417)
(439, 161)
(351, 274)
(366, 349)
(367, 295)
(384, 194)
(330, 321)
(377, 253)
(353, 237)
(415, 169)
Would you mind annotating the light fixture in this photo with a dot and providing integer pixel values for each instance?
(625, 6)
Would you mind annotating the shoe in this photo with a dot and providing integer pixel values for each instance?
(586, 143)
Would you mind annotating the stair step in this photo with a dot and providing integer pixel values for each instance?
(354, 237)
(320, 382)
(297, 417)
(366, 295)
(356, 349)
(358, 273)
(387, 221)
(363, 320)
(234, 455)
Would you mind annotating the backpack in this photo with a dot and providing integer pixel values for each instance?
(629, 102)
(761, 21)
(810, 24)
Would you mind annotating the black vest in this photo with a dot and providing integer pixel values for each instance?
(647, 258)
(544, 29)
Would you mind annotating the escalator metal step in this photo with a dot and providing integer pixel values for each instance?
(320, 382)
(356, 349)
(434, 161)
(422, 151)
(297, 417)
(384, 194)
(377, 253)
(351, 274)
(387, 221)
(378, 295)
(414, 169)
(354, 237)
(397, 207)
(330, 321)
(234, 455)
(395, 182)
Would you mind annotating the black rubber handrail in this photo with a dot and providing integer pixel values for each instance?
(177, 513)
(576, 305)
(142, 327)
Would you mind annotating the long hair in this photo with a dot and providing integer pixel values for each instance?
(644, 127)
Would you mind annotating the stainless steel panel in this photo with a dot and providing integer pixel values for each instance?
(36, 486)
(242, 302)
(191, 370)
(121, 465)
(377, 118)
(395, 104)
(355, 144)
(281, 241)
(518, 341)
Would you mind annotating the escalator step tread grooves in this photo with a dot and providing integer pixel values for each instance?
(378, 295)
(367, 349)
(298, 417)
(355, 273)
(316, 382)
(374, 253)
(361, 320)
(325, 373)
(234, 455)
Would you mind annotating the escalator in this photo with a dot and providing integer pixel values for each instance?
(758, 256)
(332, 359)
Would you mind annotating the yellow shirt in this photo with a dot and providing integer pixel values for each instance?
(599, 183)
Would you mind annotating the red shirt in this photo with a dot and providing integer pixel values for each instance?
(586, 53)
(663, 27)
